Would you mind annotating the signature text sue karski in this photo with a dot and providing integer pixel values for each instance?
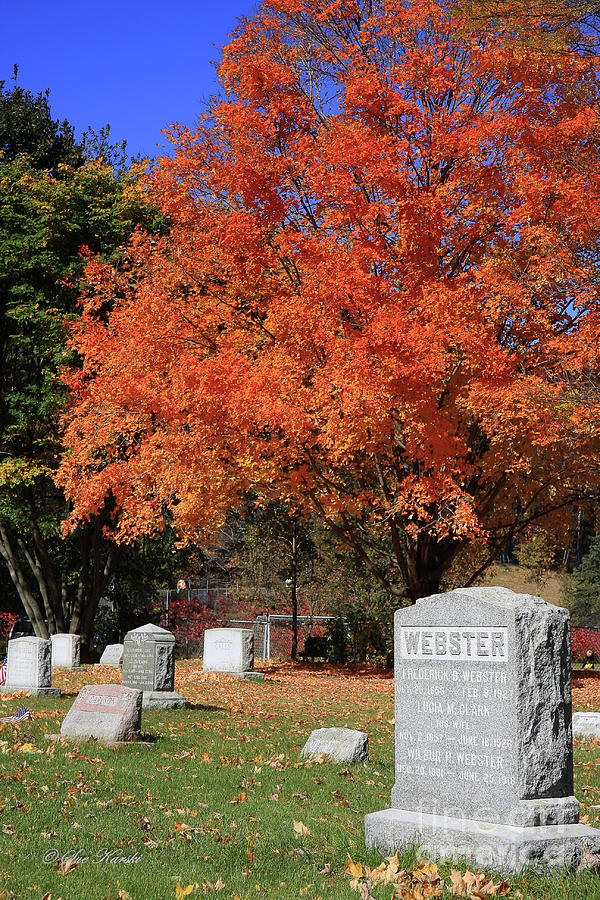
(114, 857)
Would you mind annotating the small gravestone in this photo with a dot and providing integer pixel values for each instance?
(149, 666)
(107, 712)
(586, 724)
(484, 758)
(230, 651)
(339, 744)
(112, 655)
(29, 667)
(66, 649)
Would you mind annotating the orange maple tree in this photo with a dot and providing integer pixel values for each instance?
(377, 300)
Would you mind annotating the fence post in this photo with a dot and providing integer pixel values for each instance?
(187, 638)
(167, 610)
(268, 635)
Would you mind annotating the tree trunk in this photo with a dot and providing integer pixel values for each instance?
(102, 572)
(83, 581)
(57, 622)
(294, 578)
(579, 544)
(48, 607)
(29, 601)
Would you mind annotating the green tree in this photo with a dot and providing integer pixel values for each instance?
(27, 127)
(582, 589)
(49, 220)
(537, 555)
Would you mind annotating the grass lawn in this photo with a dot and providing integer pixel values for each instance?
(221, 802)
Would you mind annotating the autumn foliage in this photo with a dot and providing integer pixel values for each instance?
(378, 298)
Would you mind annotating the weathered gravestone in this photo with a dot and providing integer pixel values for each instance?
(586, 724)
(66, 650)
(230, 651)
(107, 712)
(484, 758)
(149, 666)
(112, 655)
(339, 744)
(29, 667)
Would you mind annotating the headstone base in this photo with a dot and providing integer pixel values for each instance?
(163, 700)
(507, 848)
(252, 676)
(32, 691)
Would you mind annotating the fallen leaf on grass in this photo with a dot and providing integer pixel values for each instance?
(301, 829)
(476, 885)
(423, 883)
(218, 885)
(589, 860)
(149, 844)
(355, 870)
(27, 747)
(183, 891)
(241, 798)
(64, 868)
(386, 874)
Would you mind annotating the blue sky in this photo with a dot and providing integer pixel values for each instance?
(139, 66)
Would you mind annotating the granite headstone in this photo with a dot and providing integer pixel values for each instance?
(484, 758)
(230, 651)
(149, 666)
(66, 649)
(29, 667)
(107, 712)
(112, 655)
(339, 744)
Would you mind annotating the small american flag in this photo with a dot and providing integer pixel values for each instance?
(21, 715)
(3, 669)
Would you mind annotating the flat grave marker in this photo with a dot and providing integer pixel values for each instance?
(107, 712)
(341, 745)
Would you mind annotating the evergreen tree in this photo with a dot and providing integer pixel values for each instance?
(27, 127)
(582, 590)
